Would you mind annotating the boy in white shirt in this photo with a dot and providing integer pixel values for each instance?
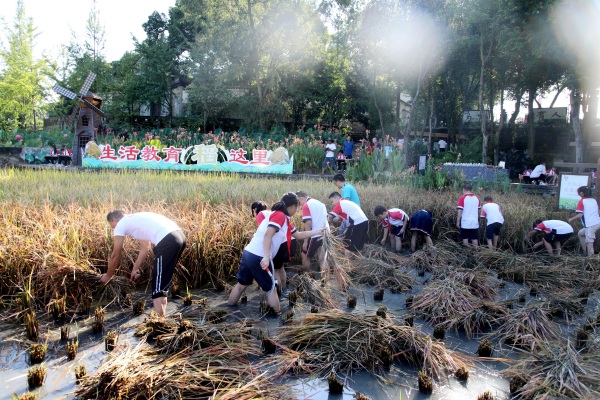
(493, 215)
(330, 148)
(467, 219)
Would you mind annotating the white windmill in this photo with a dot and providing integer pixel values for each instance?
(90, 116)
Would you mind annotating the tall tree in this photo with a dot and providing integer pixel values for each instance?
(23, 79)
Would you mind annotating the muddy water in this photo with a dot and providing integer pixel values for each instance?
(399, 383)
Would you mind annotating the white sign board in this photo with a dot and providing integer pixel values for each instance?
(474, 116)
(549, 114)
(567, 189)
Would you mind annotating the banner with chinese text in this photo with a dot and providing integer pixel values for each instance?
(193, 158)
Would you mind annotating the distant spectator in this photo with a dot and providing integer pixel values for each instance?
(526, 176)
(65, 151)
(330, 148)
(538, 175)
(348, 147)
(551, 176)
(442, 145)
(340, 159)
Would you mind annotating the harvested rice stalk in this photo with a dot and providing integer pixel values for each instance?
(425, 383)
(445, 299)
(556, 370)
(190, 337)
(37, 353)
(335, 340)
(419, 350)
(155, 325)
(217, 372)
(80, 373)
(313, 292)
(381, 253)
(375, 272)
(481, 282)
(526, 327)
(336, 260)
(479, 319)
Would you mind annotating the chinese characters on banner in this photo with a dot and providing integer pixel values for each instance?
(201, 154)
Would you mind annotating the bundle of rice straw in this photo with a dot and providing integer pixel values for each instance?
(155, 325)
(78, 281)
(344, 342)
(381, 253)
(452, 253)
(444, 299)
(481, 282)
(560, 276)
(557, 370)
(376, 272)
(337, 260)
(190, 336)
(526, 327)
(477, 320)
(215, 372)
(313, 292)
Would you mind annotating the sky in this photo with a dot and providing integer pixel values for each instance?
(55, 19)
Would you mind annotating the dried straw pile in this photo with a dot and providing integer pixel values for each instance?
(556, 370)
(314, 292)
(444, 299)
(339, 341)
(527, 327)
(377, 272)
(218, 372)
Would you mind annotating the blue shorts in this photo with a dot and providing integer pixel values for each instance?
(251, 270)
(469, 234)
(493, 229)
(329, 160)
(395, 230)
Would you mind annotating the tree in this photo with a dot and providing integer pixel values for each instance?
(23, 79)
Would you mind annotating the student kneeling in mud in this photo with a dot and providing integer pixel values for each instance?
(556, 233)
(257, 258)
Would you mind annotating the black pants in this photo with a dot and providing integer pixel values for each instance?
(166, 255)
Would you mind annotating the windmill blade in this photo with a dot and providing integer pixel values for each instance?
(72, 115)
(64, 92)
(87, 84)
(93, 107)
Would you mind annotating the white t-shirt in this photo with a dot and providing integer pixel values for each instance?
(470, 205)
(330, 150)
(492, 212)
(281, 223)
(537, 171)
(145, 226)
(548, 226)
(349, 211)
(316, 212)
(442, 143)
(589, 208)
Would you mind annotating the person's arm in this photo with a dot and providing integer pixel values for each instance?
(459, 217)
(307, 234)
(576, 217)
(142, 255)
(268, 239)
(114, 260)
(385, 235)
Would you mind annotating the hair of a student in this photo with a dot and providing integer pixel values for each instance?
(379, 210)
(115, 214)
(467, 186)
(335, 194)
(257, 207)
(287, 200)
(339, 178)
(537, 222)
(587, 192)
(488, 198)
(302, 194)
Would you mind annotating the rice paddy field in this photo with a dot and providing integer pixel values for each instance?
(443, 323)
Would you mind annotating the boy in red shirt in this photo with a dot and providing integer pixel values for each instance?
(394, 221)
